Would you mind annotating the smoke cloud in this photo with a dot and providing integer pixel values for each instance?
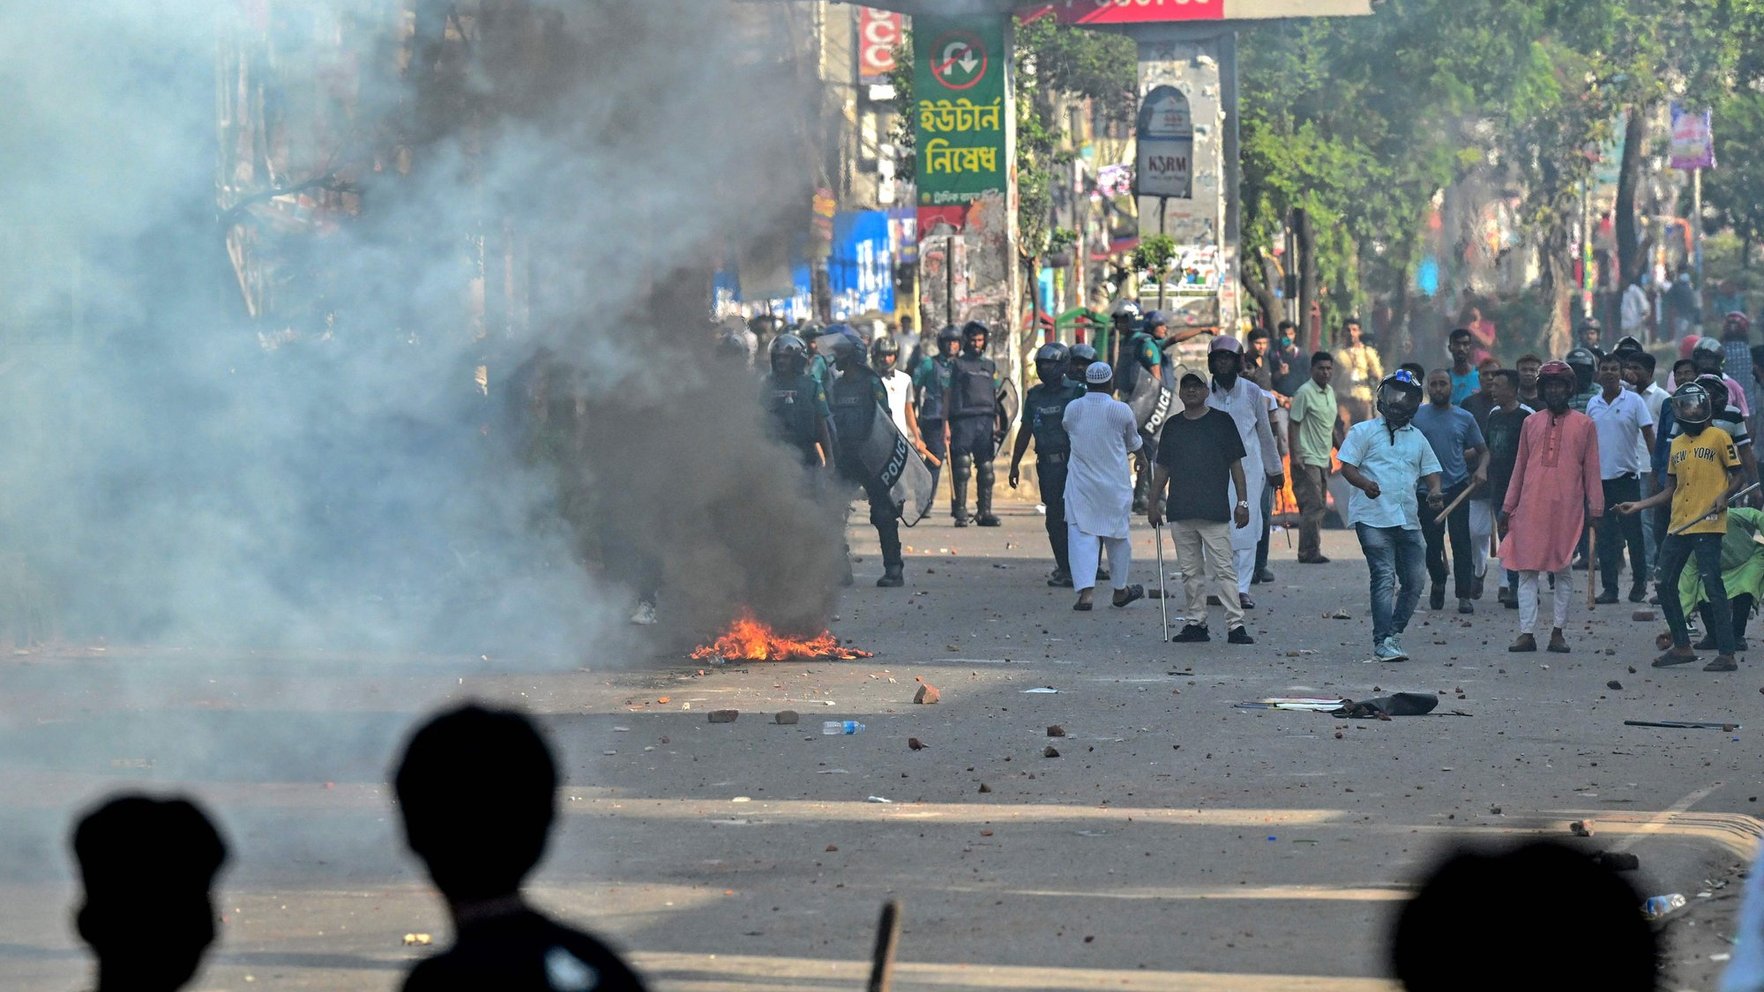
(272, 270)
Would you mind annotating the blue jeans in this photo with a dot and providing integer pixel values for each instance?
(1397, 559)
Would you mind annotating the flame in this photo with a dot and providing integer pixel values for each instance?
(747, 639)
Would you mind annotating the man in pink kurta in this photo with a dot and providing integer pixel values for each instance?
(1555, 485)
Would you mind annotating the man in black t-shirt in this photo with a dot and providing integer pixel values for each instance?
(478, 791)
(1202, 446)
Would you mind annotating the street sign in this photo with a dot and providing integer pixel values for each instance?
(959, 114)
(879, 34)
(1165, 145)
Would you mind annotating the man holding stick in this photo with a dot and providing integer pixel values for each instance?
(1456, 439)
(1702, 472)
(1555, 487)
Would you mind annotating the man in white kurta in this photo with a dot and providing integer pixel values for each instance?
(1247, 405)
(1099, 487)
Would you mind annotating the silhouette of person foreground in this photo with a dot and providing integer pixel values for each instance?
(1538, 916)
(477, 790)
(146, 866)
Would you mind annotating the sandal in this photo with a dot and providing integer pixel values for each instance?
(1082, 607)
(1134, 591)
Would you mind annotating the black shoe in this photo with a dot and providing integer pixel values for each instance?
(1638, 594)
(988, 520)
(1476, 588)
(1264, 576)
(961, 521)
(1436, 598)
(1192, 633)
(1706, 644)
(1606, 598)
(1102, 574)
(1060, 579)
(1245, 603)
(1239, 635)
(1138, 507)
(893, 576)
(1722, 663)
(1465, 607)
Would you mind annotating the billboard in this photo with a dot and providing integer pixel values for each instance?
(879, 34)
(1165, 137)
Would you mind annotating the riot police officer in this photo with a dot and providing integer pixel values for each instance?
(796, 405)
(1124, 319)
(855, 397)
(1082, 357)
(972, 406)
(1044, 409)
(930, 382)
(817, 362)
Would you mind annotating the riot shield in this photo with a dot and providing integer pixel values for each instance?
(1009, 405)
(1152, 402)
(884, 453)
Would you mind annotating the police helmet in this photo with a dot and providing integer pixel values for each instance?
(789, 350)
(882, 348)
(1083, 353)
(1124, 310)
(1157, 318)
(949, 333)
(811, 331)
(974, 327)
(1052, 361)
(1399, 397)
(842, 343)
(1692, 404)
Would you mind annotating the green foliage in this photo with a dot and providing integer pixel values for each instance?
(1734, 190)
(1154, 255)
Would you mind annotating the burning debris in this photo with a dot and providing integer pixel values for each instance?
(747, 639)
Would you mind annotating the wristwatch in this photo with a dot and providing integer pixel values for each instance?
(1244, 503)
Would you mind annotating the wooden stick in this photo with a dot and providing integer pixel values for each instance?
(887, 938)
(1592, 564)
(1453, 505)
(1684, 527)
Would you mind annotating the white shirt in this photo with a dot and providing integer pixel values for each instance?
(1635, 308)
(1247, 404)
(1619, 423)
(1397, 463)
(900, 392)
(1653, 396)
(1099, 483)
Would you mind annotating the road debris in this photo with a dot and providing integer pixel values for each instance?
(927, 694)
(723, 716)
(915, 744)
(418, 940)
(1581, 828)
(1055, 730)
(1050, 752)
(785, 718)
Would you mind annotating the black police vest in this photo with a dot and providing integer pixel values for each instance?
(1047, 410)
(853, 399)
(790, 404)
(974, 393)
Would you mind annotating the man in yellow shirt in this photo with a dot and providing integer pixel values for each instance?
(1702, 471)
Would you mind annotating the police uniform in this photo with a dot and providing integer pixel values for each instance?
(1044, 411)
(972, 409)
(796, 406)
(853, 398)
(930, 381)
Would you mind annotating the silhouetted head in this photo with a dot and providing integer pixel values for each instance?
(1541, 910)
(477, 790)
(146, 866)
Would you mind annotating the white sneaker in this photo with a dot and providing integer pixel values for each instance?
(645, 615)
(1389, 650)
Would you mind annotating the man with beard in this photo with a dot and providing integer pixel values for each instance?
(1702, 474)
(1044, 411)
(1247, 406)
(854, 397)
(971, 401)
(1388, 462)
(1555, 487)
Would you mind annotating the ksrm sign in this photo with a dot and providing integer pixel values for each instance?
(1166, 145)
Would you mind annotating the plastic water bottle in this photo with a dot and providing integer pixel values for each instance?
(835, 727)
(1659, 906)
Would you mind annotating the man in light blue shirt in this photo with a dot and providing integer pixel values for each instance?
(1455, 437)
(1387, 461)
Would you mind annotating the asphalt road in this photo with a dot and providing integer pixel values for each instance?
(1174, 842)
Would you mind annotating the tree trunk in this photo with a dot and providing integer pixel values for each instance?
(1630, 257)
(1307, 263)
(1254, 276)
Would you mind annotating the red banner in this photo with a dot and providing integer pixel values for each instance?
(1130, 11)
(879, 34)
